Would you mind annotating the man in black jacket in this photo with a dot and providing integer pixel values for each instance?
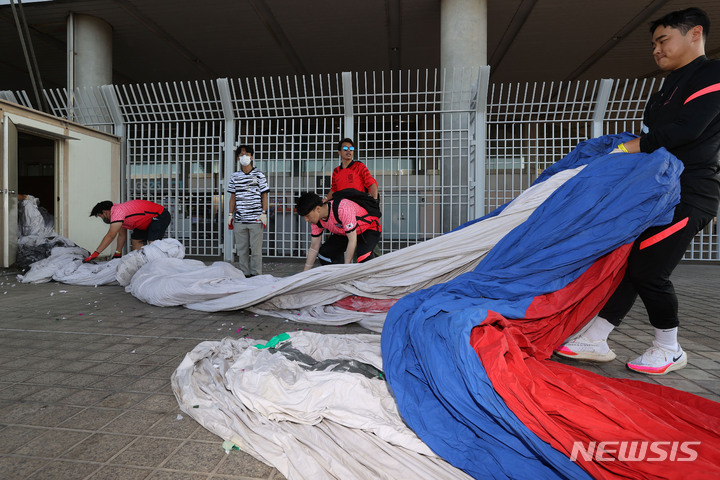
(683, 117)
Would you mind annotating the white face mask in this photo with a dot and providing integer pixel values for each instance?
(245, 160)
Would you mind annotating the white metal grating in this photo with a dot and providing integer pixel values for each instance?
(174, 157)
(445, 148)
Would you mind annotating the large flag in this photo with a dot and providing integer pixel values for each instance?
(468, 360)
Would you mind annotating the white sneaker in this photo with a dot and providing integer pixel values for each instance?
(581, 348)
(658, 360)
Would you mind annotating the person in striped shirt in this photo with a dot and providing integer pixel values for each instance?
(147, 220)
(248, 204)
(354, 233)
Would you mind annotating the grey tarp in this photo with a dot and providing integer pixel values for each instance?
(309, 296)
(158, 274)
(336, 422)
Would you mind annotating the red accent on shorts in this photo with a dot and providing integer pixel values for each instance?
(706, 90)
(363, 257)
(664, 234)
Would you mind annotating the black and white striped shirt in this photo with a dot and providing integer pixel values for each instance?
(248, 189)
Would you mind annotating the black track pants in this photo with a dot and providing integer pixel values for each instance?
(653, 257)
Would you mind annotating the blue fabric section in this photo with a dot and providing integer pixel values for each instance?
(441, 388)
(582, 154)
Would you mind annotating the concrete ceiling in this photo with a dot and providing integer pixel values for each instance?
(175, 40)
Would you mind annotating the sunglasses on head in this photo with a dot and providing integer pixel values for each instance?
(346, 148)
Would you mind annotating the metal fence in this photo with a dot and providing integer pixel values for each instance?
(445, 147)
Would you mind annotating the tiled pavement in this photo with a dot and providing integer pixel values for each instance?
(85, 377)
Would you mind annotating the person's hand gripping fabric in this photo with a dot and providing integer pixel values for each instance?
(92, 257)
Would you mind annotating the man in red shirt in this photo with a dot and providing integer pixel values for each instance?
(351, 174)
(147, 220)
(353, 230)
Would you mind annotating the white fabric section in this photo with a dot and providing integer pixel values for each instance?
(157, 276)
(36, 235)
(43, 270)
(33, 223)
(164, 249)
(65, 265)
(307, 296)
(318, 424)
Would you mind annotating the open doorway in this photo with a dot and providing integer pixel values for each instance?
(36, 169)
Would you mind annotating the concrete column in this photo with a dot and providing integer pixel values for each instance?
(91, 51)
(463, 49)
(463, 33)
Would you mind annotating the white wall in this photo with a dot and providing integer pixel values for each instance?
(90, 175)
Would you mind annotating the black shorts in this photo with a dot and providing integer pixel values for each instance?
(156, 229)
(333, 250)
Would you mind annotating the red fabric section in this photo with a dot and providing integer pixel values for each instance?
(551, 318)
(658, 237)
(704, 91)
(563, 404)
(365, 304)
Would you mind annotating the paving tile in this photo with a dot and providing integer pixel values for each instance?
(16, 375)
(115, 472)
(148, 452)
(91, 418)
(86, 397)
(80, 380)
(49, 415)
(195, 456)
(99, 447)
(176, 475)
(133, 422)
(14, 412)
(50, 394)
(13, 437)
(237, 461)
(89, 395)
(138, 370)
(170, 426)
(113, 382)
(20, 467)
(159, 403)
(19, 392)
(64, 470)
(52, 443)
(149, 385)
(104, 368)
(122, 400)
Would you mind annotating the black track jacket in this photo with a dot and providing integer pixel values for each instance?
(684, 117)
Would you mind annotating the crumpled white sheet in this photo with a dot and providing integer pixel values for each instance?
(65, 265)
(308, 296)
(36, 235)
(303, 421)
(33, 223)
(162, 277)
(164, 249)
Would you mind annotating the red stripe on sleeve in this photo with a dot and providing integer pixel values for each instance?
(704, 91)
